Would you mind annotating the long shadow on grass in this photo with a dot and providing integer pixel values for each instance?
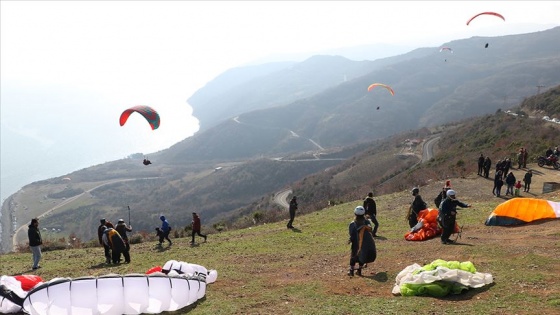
(99, 266)
(161, 248)
(379, 277)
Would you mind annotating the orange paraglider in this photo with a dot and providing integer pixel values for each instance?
(372, 86)
(518, 211)
(427, 226)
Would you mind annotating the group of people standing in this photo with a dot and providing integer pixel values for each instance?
(114, 240)
(503, 175)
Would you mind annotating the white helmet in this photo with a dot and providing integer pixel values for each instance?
(451, 193)
(359, 210)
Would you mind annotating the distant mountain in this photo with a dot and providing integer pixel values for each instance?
(270, 85)
(302, 126)
(431, 88)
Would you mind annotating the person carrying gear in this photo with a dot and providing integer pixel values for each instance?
(363, 249)
(447, 215)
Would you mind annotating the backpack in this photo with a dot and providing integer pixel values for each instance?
(367, 253)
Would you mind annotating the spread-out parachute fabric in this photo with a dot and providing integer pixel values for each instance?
(518, 211)
(14, 289)
(427, 226)
(446, 49)
(372, 86)
(485, 13)
(149, 114)
(178, 285)
(439, 278)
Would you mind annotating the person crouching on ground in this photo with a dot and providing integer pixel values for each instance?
(447, 215)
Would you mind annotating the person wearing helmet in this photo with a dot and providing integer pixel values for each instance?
(363, 249)
(447, 215)
(417, 205)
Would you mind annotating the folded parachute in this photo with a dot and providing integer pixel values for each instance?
(427, 226)
(439, 278)
(518, 211)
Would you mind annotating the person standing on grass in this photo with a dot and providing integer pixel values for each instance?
(487, 165)
(527, 180)
(106, 248)
(35, 242)
(448, 214)
(480, 165)
(113, 239)
(510, 182)
(196, 227)
(517, 188)
(363, 249)
(371, 210)
(122, 228)
(292, 210)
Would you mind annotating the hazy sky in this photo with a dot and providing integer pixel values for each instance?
(69, 68)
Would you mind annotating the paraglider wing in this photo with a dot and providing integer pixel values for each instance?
(149, 114)
(371, 87)
(446, 48)
(486, 13)
(518, 211)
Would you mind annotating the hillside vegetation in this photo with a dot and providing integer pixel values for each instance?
(241, 193)
(268, 269)
(327, 144)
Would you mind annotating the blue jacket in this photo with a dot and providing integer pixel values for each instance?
(164, 224)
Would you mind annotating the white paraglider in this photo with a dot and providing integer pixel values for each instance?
(178, 285)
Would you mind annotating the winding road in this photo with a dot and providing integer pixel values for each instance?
(65, 202)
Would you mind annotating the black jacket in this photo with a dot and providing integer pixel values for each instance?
(34, 236)
(418, 205)
(370, 206)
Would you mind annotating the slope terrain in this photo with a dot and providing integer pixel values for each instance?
(268, 269)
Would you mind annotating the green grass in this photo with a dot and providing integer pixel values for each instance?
(268, 269)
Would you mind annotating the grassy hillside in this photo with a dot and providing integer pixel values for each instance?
(267, 269)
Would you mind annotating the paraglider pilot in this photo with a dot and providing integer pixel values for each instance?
(447, 215)
(146, 162)
(363, 249)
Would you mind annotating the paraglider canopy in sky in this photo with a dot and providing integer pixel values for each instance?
(372, 86)
(485, 13)
(149, 114)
